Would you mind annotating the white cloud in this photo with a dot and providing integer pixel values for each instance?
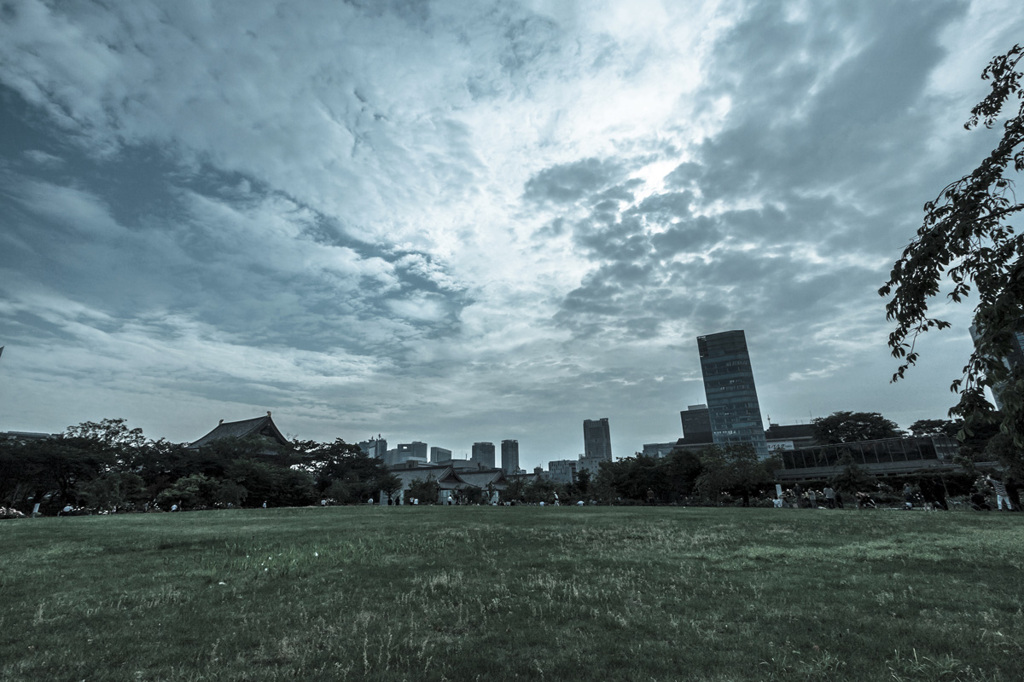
(354, 212)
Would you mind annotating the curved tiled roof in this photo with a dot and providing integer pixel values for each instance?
(260, 426)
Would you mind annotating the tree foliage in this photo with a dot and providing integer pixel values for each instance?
(936, 427)
(106, 466)
(686, 476)
(426, 491)
(852, 478)
(847, 427)
(967, 237)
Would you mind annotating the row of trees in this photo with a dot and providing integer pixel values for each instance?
(107, 466)
(983, 441)
(715, 473)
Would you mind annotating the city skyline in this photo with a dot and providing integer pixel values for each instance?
(456, 222)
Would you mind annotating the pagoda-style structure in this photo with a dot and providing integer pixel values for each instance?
(260, 429)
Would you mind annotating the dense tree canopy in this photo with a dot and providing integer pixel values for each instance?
(108, 466)
(967, 237)
(847, 427)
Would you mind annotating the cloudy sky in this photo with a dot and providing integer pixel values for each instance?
(470, 220)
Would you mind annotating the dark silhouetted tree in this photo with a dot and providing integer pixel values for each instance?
(852, 478)
(967, 240)
(847, 427)
(425, 491)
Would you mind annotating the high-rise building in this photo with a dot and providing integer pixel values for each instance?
(562, 470)
(483, 454)
(409, 451)
(729, 386)
(510, 456)
(439, 455)
(375, 447)
(597, 439)
(696, 421)
(414, 450)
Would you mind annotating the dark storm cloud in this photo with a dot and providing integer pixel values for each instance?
(693, 236)
(799, 122)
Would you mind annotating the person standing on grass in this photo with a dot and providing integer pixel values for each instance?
(1013, 492)
(812, 497)
(908, 496)
(1001, 495)
(830, 497)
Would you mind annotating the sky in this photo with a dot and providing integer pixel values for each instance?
(472, 220)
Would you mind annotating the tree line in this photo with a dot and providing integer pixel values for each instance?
(108, 466)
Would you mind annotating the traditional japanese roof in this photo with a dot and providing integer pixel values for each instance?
(481, 479)
(407, 476)
(260, 427)
(448, 478)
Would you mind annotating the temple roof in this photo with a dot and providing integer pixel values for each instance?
(449, 478)
(260, 426)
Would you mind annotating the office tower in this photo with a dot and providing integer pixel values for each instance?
(375, 447)
(483, 454)
(696, 424)
(597, 439)
(415, 449)
(438, 455)
(562, 470)
(510, 456)
(411, 451)
(729, 386)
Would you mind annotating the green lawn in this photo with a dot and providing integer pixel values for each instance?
(464, 593)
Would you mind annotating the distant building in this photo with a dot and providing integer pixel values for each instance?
(415, 449)
(408, 452)
(261, 430)
(789, 436)
(592, 465)
(453, 483)
(483, 454)
(729, 386)
(25, 436)
(439, 455)
(597, 439)
(510, 456)
(658, 450)
(562, 470)
(885, 457)
(696, 421)
(375, 447)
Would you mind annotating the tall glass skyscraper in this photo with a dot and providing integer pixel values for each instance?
(729, 386)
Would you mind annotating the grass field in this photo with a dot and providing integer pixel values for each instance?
(465, 593)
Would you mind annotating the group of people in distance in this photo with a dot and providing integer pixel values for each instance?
(930, 494)
(1004, 494)
(829, 497)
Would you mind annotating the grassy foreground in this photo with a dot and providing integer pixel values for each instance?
(463, 593)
